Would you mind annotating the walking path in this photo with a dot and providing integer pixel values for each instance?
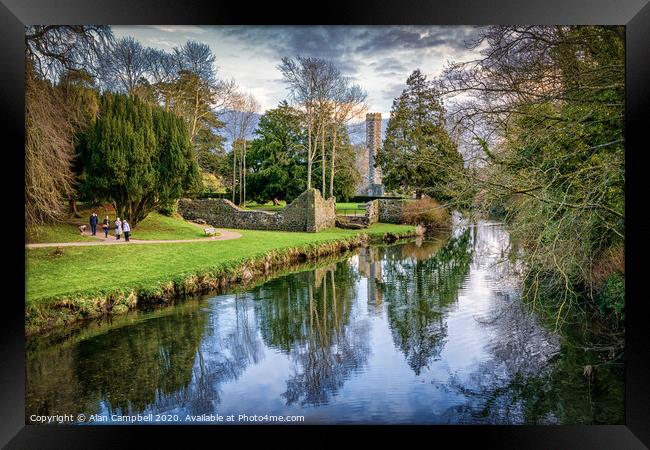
(224, 235)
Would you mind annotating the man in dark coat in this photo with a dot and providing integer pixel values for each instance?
(93, 223)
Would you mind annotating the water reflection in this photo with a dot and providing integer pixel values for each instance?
(418, 290)
(430, 331)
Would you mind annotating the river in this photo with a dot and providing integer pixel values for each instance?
(425, 332)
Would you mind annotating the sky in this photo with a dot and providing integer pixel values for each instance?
(378, 58)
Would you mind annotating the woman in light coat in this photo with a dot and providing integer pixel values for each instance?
(118, 228)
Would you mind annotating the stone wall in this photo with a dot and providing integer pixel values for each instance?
(372, 212)
(308, 212)
(390, 210)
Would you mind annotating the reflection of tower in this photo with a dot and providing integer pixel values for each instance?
(370, 267)
(373, 142)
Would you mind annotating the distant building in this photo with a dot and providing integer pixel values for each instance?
(373, 144)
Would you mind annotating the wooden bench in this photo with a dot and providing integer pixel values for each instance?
(210, 231)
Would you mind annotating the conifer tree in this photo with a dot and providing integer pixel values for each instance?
(418, 153)
(137, 156)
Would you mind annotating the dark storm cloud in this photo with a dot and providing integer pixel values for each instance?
(375, 40)
(389, 65)
(394, 90)
(350, 46)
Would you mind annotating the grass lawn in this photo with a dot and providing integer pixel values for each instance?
(158, 227)
(154, 227)
(60, 232)
(92, 269)
(351, 208)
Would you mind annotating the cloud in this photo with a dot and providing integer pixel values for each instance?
(378, 58)
(161, 42)
(180, 29)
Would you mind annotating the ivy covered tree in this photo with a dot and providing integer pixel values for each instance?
(136, 155)
(418, 153)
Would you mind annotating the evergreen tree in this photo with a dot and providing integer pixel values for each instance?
(276, 158)
(418, 154)
(137, 156)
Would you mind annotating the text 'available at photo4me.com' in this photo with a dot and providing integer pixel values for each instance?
(163, 418)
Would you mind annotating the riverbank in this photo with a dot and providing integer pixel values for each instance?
(93, 281)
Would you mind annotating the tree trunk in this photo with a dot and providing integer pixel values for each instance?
(244, 173)
(72, 207)
(324, 165)
(332, 163)
(309, 152)
(234, 170)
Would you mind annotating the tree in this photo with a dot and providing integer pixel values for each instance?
(58, 104)
(277, 156)
(310, 82)
(240, 121)
(348, 102)
(418, 153)
(49, 151)
(124, 65)
(137, 156)
(544, 108)
(55, 49)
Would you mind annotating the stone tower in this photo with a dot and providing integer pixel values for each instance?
(373, 142)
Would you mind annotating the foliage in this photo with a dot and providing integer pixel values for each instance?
(546, 118)
(425, 211)
(611, 297)
(50, 125)
(276, 156)
(211, 183)
(418, 153)
(136, 155)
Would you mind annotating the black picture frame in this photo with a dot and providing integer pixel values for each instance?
(635, 14)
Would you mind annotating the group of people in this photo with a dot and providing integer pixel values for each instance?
(120, 226)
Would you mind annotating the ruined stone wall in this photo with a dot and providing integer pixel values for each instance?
(308, 212)
(321, 212)
(390, 210)
(372, 212)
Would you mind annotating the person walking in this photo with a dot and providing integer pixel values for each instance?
(127, 230)
(105, 224)
(93, 223)
(118, 228)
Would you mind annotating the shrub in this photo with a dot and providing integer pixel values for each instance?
(425, 211)
(169, 208)
(611, 297)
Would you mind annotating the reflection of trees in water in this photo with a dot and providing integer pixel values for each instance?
(534, 378)
(127, 368)
(229, 347)
(138, 365)
(418, 291)
(308, 316)
(154, 365)
(52, 384)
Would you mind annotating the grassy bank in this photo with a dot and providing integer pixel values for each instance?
(154, 227)
(92, 281)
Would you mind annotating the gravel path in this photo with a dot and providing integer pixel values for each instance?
(224, 235)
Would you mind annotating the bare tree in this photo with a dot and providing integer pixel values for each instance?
(240, 120)
(55, 49)
(124, 64)
(310, 82)
(53, 113)
(348, 103)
